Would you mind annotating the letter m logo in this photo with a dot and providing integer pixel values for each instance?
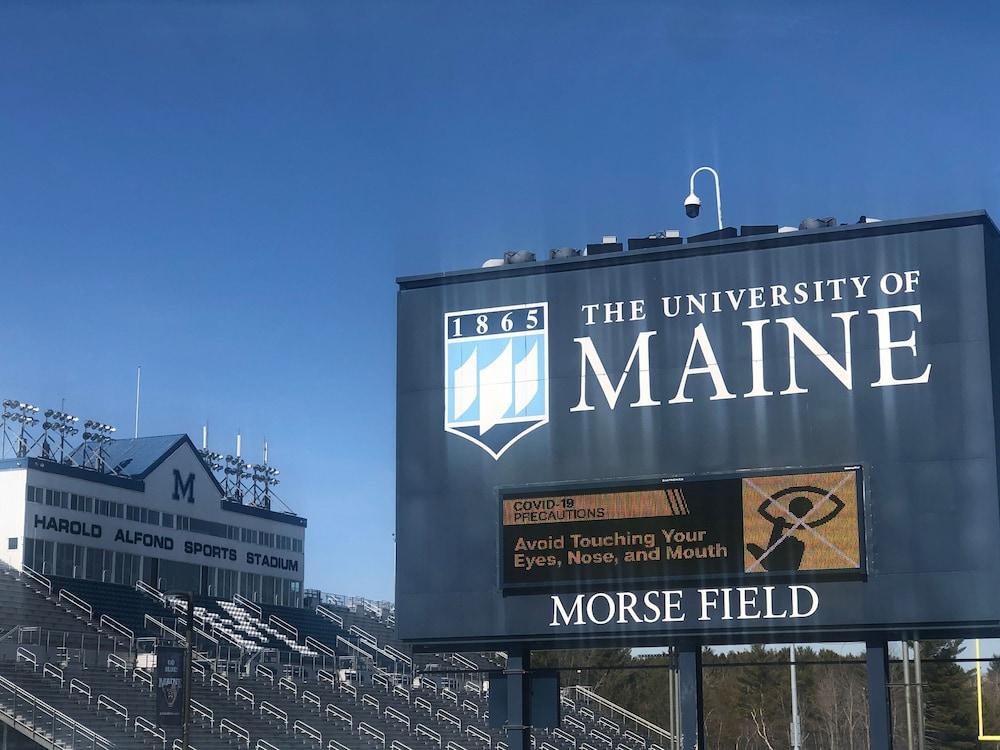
(183, 487)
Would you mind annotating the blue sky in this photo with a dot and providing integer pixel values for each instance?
(224, 192)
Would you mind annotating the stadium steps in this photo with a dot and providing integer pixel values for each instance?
(27, 604)
(332, 726)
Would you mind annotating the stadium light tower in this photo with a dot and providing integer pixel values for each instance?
(692, 204)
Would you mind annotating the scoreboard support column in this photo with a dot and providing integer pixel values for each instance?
(518, 731)
(879, 709)
(692, 706)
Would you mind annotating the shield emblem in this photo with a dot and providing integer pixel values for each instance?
(496, 370)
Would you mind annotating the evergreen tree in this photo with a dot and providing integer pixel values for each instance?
(949, 697)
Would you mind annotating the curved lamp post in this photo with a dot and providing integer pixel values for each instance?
(692, 204)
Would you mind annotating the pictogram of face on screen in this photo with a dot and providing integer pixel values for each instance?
(801, 527)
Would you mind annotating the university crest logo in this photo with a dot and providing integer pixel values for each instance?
(496, 372)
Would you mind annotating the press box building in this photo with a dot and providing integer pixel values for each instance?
(153, 511)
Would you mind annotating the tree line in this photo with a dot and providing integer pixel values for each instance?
(748, 695)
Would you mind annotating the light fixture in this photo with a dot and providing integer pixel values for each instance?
(692, 204)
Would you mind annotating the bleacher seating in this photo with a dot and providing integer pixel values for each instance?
(123, 603)
(290, 704)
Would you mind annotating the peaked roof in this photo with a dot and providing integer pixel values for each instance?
(138, 457)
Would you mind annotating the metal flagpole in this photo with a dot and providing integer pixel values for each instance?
(138, 380)
(920, 695)
(796, 738)
(906, 692)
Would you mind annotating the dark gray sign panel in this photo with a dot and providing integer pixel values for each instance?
(764, 439)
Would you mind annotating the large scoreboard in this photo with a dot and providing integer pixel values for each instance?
(768, 438)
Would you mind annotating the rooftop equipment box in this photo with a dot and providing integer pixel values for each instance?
(782, 437)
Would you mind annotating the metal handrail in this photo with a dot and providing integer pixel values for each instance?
(23, 654)
(319, 646)
(112, 705)
(630, 735)
(243, 694)
(429, 682)
(149, 619)
(473, 687)
(287, 683)
(450, 718)
(264, 745)
(398, 654)
(421, 702)
(262, 671)
(274, 620)
(143, 676)
(371, 732)
(353, 647)
(363, 635)
(309, 731)
(590, 696)
(395, 713)
(463, 661)
(370, 700)
(564, 735)
(599, 735)
(311, 698)
(575, 723)
(401, 691)
(346, 687)
(247, 604)
(588, 712)
(203, 710)
(110, 622)
(334, 745)
(50, 716)
(479, 734)
(422, 730)
(51, 670)
(81, 687)
(340, 713)
(145, 588)
(150, 728)
(115, 661)
(468, 705)
(38, 578)
(178, 745)
(381, 681)
(611, 726)
(274, 711)
(452, 745)
(397, 745)
(330, 615)
(323, 676)
(233, 728)
(221, 681)
(76, 602)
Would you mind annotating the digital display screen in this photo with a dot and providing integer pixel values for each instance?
(777, 524)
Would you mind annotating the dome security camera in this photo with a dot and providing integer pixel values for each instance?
(692, 206)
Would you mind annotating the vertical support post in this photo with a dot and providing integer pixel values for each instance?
(906, 691)
(518, 731)
(796, 733)
(879, 710)
(672, 700)
(921, 729)
(187, 672)
(692, 714)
